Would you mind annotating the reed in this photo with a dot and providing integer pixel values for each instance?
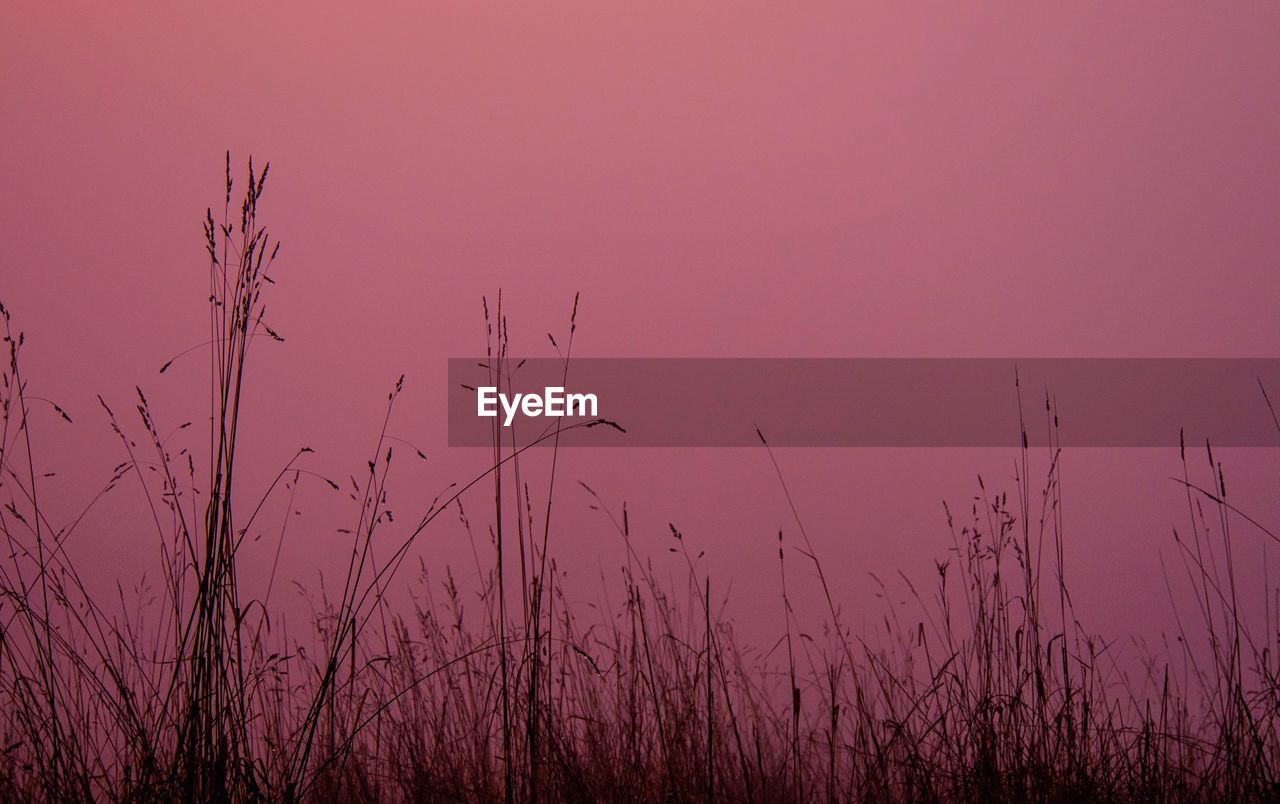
(985, 688)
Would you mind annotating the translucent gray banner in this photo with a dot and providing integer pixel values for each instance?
(865, 402)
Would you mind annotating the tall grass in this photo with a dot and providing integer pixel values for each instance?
(988, 688)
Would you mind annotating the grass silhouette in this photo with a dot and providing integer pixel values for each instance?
(996, 693)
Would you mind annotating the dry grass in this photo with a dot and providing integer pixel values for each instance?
(988, 690)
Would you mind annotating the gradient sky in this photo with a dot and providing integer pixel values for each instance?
(715, 179)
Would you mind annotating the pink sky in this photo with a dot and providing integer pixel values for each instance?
(715, 179)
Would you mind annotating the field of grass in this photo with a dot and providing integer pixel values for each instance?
(989, 690)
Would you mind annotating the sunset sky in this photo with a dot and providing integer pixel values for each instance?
(714, 179)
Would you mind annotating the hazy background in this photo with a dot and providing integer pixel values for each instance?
(714, 178)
